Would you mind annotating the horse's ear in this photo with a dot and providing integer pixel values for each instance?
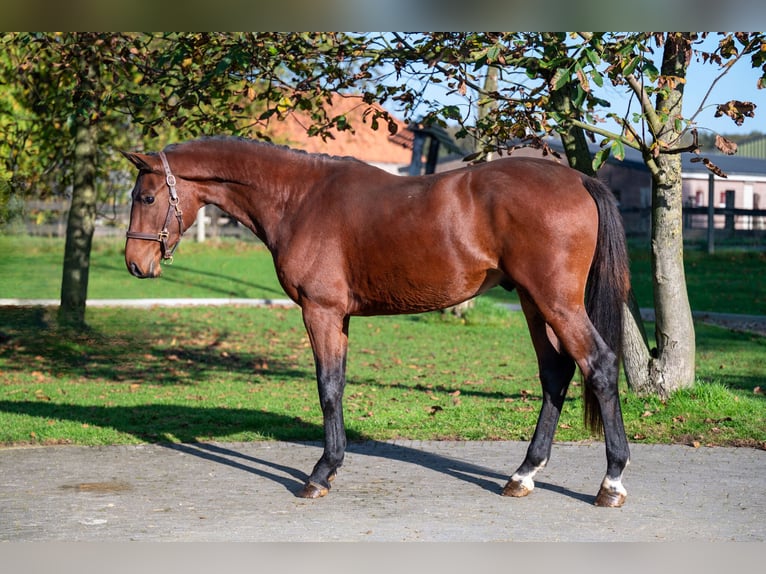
(141, 161)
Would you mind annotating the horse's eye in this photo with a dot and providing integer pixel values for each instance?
(147, 199)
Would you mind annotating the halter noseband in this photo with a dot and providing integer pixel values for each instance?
(162, 236)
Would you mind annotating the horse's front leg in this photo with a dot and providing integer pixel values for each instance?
(328, 333)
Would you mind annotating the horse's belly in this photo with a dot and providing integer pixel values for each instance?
(397, 294)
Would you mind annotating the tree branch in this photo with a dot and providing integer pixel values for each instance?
(608, 134)
(727, 69)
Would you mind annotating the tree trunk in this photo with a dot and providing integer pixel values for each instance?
(572, 138)
(79, 232)
(671, 365)
(635, 351)
(82, 211)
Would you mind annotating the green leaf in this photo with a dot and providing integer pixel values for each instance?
(628, 70)
(651, 71)
(560, 78)
(593, 56)
(600, 157)
(619, 150)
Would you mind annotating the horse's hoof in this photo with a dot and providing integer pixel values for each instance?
(610, 498)
(313, 490)
(516, 489)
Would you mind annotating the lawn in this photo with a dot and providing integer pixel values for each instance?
(30, 267)
(239, 373)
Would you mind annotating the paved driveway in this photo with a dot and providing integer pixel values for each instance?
(390, 491)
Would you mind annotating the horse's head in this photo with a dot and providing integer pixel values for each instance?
(157, 215)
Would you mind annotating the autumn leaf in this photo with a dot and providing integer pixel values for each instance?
(714, 168)
(736, 110)
(583, 79)
(725, 145)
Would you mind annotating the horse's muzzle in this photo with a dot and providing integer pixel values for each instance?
(136, 271)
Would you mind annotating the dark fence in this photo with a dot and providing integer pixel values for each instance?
(49, 219)
(723, 226)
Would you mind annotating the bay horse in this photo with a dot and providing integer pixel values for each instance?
(349, 239)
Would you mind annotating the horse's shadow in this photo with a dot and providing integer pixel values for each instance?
(176, 431)
(293, 479)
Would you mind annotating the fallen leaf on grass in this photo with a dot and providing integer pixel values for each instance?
(434, 409)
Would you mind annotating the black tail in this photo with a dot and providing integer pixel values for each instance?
(608, 284)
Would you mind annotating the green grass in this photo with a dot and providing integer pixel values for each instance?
(236, 373)
(732, 281)
(241, 374)
(30, 268)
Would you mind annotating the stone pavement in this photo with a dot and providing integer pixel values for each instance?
(386, 491)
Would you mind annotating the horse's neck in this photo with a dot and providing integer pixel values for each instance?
(261, 189)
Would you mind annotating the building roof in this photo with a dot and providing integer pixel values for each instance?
(731, 165)
(364, 143)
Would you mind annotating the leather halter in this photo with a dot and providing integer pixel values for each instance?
(162, 236)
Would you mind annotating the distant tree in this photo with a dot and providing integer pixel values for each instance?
(61, 86)
(74, 98)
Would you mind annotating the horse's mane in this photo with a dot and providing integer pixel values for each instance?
(237, 140)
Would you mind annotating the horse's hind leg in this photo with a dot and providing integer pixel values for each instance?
(328, 333)
(600, 368)
(556, 370)
(602, 379)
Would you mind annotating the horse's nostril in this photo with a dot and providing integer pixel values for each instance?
(136, 270)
